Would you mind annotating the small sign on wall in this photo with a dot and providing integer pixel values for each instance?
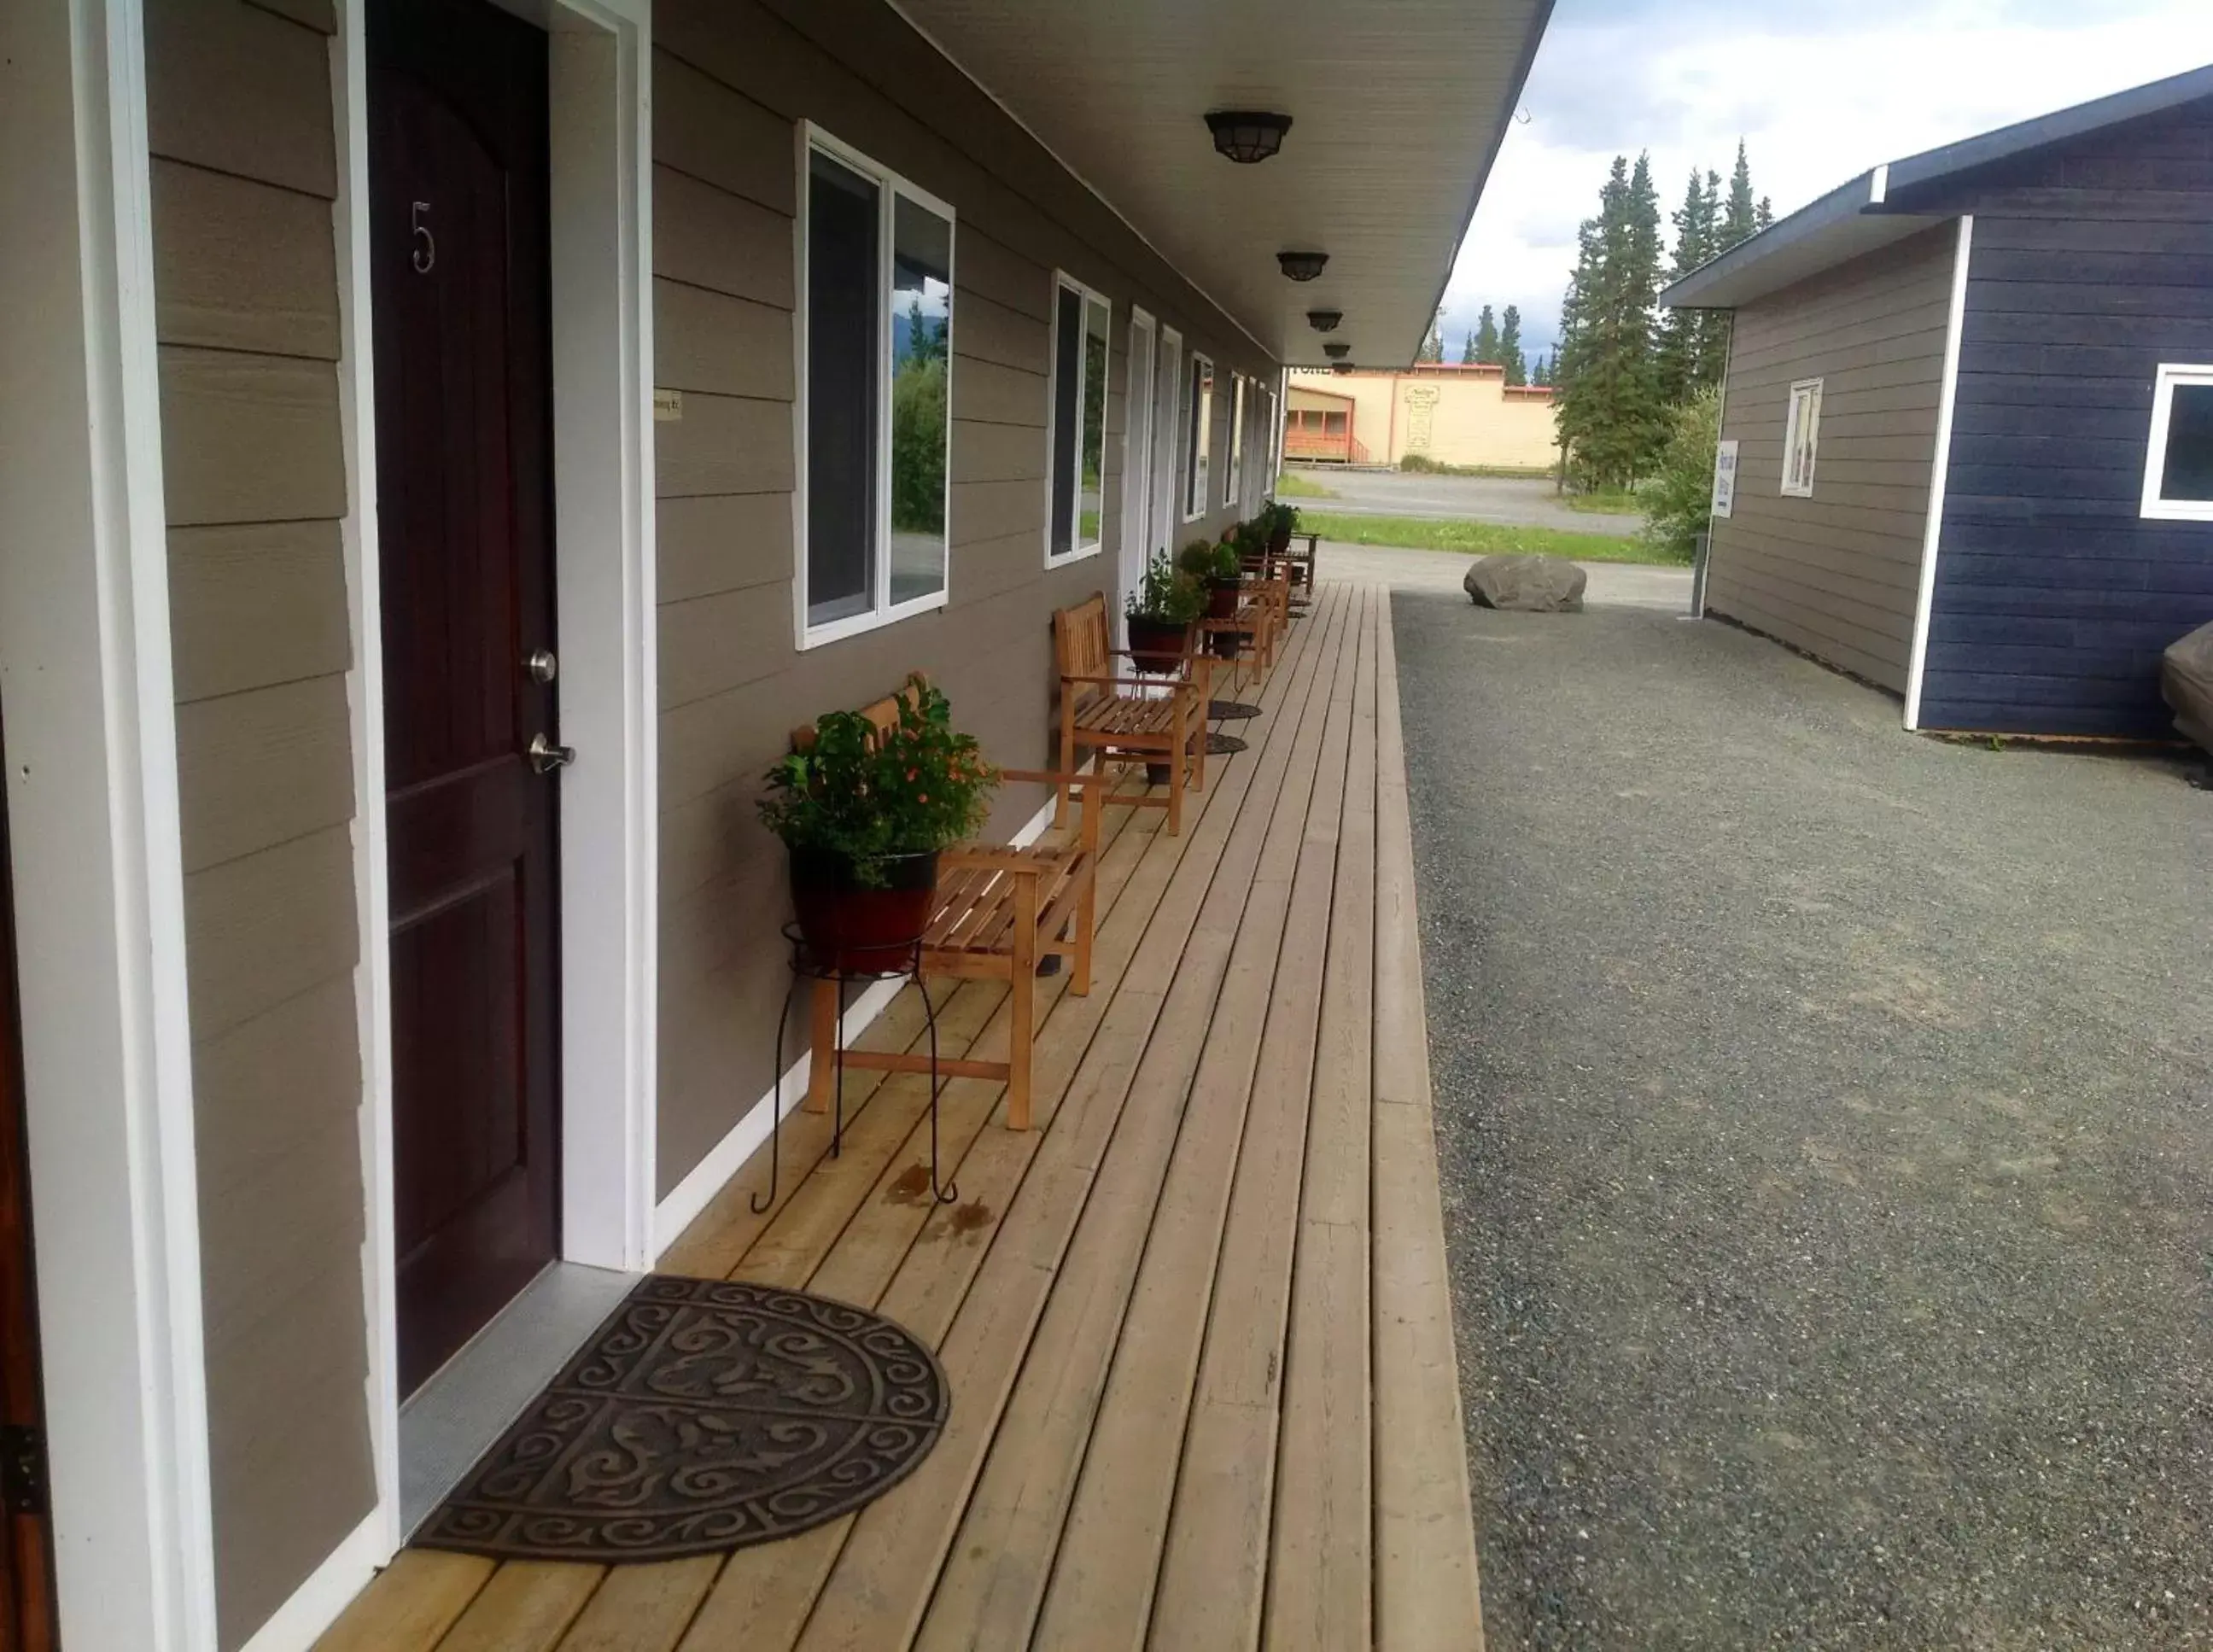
(668, 406)
(1724, 478)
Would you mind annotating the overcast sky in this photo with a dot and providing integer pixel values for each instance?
(1819, 89)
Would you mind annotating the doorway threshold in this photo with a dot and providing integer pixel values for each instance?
(450, 1422)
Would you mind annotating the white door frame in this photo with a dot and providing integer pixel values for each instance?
(1138, 453)
(1167, 493)
(98, 868)
(599, 82)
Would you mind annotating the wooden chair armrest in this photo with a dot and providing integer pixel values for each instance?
(985, 857)
(1176, 683)
(1054, 778)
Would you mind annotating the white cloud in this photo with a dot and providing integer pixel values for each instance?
(1818, 96)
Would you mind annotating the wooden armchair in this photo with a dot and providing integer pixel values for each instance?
(1125, 718)
(997, 910)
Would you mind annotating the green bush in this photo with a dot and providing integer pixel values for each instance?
(918, 446)
(1678, 499)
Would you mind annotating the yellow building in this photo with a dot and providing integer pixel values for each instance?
(1455, 414)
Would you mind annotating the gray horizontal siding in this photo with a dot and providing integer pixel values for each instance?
(243, 174)
(1838, 574)
(731, 80)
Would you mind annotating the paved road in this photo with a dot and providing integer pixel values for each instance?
(1826, 1117)
(1611, 584)
(1524, 501)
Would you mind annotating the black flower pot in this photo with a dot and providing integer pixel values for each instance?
(1157, 644)
(862, 928)
(1221, 594)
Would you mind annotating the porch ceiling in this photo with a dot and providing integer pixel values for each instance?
(1397, 108)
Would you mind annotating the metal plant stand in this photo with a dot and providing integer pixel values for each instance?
(807, 966)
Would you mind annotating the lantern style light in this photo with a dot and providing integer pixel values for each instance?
(1247, 135)
(1324, 320)
(1337, 352)
(1302, 266)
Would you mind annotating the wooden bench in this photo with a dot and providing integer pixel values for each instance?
(997, 912)
(1127, 719)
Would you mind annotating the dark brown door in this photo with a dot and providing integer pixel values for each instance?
(25, 1575)
(457, 106)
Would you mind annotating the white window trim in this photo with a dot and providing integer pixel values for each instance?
(1233, 480)
(2172, 375)
(1188, 422)
(1805, 393)
(1078, 551)
(1167, 507)
(882, 610)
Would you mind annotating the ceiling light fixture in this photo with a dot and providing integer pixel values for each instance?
(1340, 367)
(1247, 135)
(1302, 266)
(1324, 320)
(1337, 352)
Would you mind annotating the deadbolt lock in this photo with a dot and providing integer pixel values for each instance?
(542, 666)
(546, 757)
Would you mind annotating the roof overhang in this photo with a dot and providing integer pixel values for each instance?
(1902, 198)
(1399, 107)
(1842, 225)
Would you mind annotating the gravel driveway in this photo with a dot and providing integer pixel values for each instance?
(1528, 502)
(1826, 1118)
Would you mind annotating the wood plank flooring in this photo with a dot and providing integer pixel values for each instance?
(1195, 1321)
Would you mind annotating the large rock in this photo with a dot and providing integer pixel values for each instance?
(1526, 584)
(2185, 677)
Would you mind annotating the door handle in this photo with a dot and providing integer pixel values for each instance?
(546, 757)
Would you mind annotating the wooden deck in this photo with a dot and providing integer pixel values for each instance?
(1196, 1323)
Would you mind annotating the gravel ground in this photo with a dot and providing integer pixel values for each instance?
(1826, 1121)
(1528, 502)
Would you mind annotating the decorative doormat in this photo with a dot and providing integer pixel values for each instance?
(1230, 710)
(702, 1416)
(1223, 745)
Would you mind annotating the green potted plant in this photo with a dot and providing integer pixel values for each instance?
(1283, 521)
(1161, 612)
(1214, 566)
(863, 813)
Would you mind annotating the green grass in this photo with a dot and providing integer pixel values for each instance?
(1606, 502)
(1415, 464)
(1477, 538)
(1292, 485)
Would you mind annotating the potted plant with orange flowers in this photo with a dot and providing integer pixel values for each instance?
(864, 815)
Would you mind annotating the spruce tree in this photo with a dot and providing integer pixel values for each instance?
(1764, 216)
(1612, 420)
(1486, 337)
(1740, 221)
(1509, 346)
(1467, 352)
(1676, 359)
(1432, 348)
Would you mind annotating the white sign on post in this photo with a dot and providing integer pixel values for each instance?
(1724, 478)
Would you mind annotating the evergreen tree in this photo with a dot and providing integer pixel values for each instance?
(1763, 216)
(1486, 337)
(1713, 325)
(1509, 346)
(1612, 418)
(1742, 220)
(1675, 359)
(1467, 352)
(1542, 372)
